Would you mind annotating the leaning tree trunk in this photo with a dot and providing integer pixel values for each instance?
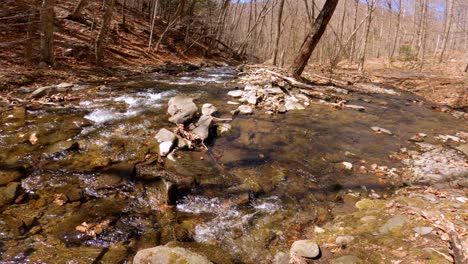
(100, 40)
(278, 32)
(313, 38)
(47, 31)
(76, 14)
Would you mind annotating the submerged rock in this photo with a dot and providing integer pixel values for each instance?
(168, 255)
(381, 130)
(7, 176)
(181, 109)
(223, 129)
(305, 248)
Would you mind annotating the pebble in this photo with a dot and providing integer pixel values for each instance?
(305, 248)
(347, 165)
(381, 130)
(392, 224)
(343, 240)
(423, 230)
(245, 109)
(319, 230)
(235, 93)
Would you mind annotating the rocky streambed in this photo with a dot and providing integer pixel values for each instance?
(82, 178)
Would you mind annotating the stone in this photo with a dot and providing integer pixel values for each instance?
(202, 127)
(343, 240)
(463, 148)
(348, 259)
(64, 85)
(7, 176)
(291, 105)
(250, 87)
(166, 140)
(305, 248)
(165, 148)
(392, 224)
(235, 93)
(211, 252)
(381, 130)
(209, 109)
(282, 109)
(159, 193)
(281, 258)
(223, 129)
(423, 230)
(356, 107)
(368, 218)
(347, 165)
(40, 92)
(8, 193)
(274, 90)
(252, 99)
(245, 109)
(182, 143)
(319, 230)
(182, 109)
(232, 103)
(168, 255)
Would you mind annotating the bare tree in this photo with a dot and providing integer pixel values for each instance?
(313, 37)
(76, 14)
(448, 24)
(100, 40)
(278, 32)
(370, 10)
(47, 31)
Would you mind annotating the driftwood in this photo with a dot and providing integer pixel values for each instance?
(459, 254)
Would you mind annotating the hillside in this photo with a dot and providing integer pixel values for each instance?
(126, 51)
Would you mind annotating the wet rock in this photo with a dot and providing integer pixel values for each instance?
(245, 109)
(182, 109)
(114, 176)
(252, 99)
(392, 224)
(8, 193)
(182, 143)
(223, 129)
(160, 193)
(381, 130)
(64, 85)
(166, 140)
(74, 194)
(343, 240)
(235, 93)
(202, 129)
(7, 176)
(61, 146)
(305, 248)
(212, 253)
(209, 109)
(149, 172)
(423, 230)
(168, 255)
(348, 259)
(116, 254)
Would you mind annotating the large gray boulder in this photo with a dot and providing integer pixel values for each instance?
(182, 109)
(168, 255)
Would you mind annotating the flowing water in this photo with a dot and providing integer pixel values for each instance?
(251, 194)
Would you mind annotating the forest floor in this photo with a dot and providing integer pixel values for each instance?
(126, 53)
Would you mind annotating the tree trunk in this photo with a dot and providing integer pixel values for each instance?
(155, 9)
(123, 13)
(177, 16)
(395, 40)
(76, 14)
(448, 24)
(353, 43)
(370, 10)
(100, 40)
(278, 32)
(47, 31)
(313, 37)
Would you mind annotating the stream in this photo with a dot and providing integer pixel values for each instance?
(85, 186)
